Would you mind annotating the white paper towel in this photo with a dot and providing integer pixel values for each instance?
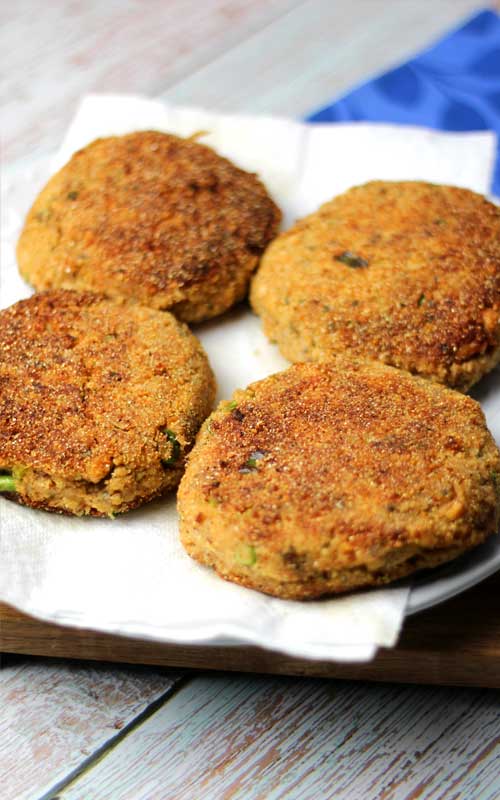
(130, 575)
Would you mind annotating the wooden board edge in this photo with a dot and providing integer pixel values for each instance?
(428, 651)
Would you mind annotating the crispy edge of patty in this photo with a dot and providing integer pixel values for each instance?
(71, 437)
(261, 531)
(328, 285)
(152, 217)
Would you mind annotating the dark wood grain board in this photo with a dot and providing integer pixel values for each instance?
(456, 643)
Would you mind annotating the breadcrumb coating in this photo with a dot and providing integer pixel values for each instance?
(407, 273)
(153, 218)
(331, 477)
(99, 401)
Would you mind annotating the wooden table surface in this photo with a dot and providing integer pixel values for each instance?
(77, 729)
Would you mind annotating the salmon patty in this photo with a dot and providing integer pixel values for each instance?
(406, 273)
(330, 477)
(99, 402)
(153, 218)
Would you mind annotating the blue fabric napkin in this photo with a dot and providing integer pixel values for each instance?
(452, 86)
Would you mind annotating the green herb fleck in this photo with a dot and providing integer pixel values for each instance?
(72, 195)
(230, 406)
(246, 555)
(176, 449)
(250, 464)
(421, 300)
(351, 260)
(7, 483)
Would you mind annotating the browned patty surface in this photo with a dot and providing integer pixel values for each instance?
(99, 401)
(152, 217)
(329, 477)
(407, 273)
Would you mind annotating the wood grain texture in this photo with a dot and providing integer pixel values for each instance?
(280, 56)
(58, 52)
(56, 715)
(317, 51)
(456, 643)
(236, 738)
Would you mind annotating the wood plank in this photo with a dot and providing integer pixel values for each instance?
(456, 643)
(57, 715)
(117, 46)
(278, 56)
(234, 738)
(315, 52)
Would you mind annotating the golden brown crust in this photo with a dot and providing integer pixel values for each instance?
(89, 389)
(328, 477)
(151, 217)
(407, 273)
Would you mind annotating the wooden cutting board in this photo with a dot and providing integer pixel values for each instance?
(455, 643)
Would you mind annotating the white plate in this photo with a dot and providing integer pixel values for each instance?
(454, 578)
(111, 577)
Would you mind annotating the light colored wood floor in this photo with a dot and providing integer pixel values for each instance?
(96, 732)
(280, 56)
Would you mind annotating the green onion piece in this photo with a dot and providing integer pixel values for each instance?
(176, 449)
(421, 299)
(245, 555)
(351, 259)
(251, 464)
(231, 406)
(7, 483)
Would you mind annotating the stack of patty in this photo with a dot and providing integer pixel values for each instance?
(102, 392)
(335, 474)
(343, 472)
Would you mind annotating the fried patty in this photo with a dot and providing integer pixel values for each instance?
(151, 217)
(406, 273)
(99, 402)
(333, 476)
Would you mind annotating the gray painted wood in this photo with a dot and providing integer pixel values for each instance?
(317, 51)
(53, 52)
(222, 738)
(56, 715)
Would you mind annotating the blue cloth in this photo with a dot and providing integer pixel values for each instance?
(452, 86)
